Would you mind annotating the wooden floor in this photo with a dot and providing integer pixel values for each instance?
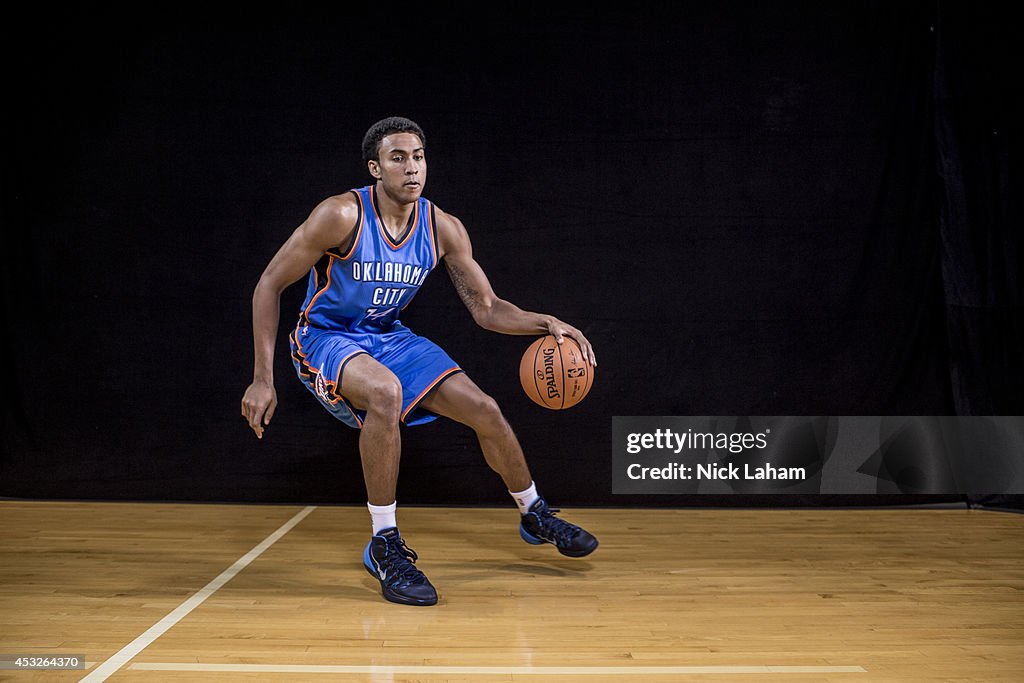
(671, 595)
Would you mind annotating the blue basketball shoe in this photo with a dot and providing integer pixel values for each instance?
(391, 562)
(539, 525)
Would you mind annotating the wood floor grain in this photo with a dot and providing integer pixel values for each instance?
(905, 595)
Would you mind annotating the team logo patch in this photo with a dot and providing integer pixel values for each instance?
(320, 385)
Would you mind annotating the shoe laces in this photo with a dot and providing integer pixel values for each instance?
(399, 561)
(554, 529)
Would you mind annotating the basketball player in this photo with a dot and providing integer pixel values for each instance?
(367, 252)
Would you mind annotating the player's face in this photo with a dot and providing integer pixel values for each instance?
(402, 168)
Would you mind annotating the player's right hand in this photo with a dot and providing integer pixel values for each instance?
(258, 405)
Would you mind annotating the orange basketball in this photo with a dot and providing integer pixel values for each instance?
(555, 375)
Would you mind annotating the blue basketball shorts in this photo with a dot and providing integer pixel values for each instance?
(320, 357)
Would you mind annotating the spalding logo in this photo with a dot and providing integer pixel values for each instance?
(549, 373)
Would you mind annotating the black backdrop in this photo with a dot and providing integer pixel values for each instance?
(749, 208)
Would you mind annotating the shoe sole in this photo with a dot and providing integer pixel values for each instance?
(533, 540)
(395, 598)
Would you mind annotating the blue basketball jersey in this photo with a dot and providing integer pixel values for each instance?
(364, 288)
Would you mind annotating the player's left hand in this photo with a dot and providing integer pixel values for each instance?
(559, 330)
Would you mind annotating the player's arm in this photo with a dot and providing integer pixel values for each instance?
(329, 225)
(488, 310)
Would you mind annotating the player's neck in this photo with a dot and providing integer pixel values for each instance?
(395, 214)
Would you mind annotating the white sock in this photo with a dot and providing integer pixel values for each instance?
(382, 516)
(524, 499)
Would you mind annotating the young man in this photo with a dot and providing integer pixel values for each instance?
(367, 252)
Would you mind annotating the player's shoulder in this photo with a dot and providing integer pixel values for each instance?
(338, 206)
(447, 223)
(339, 211)
(452, 236)
(333, 220)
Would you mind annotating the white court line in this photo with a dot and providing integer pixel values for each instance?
(489, 670)
(133, 648)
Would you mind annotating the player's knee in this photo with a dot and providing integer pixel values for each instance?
(487, 416)
(385, 398)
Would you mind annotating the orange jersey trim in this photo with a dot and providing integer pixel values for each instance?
(383, 231)
(359, 233)
(433, 234)
(443, 376)
(327, 285)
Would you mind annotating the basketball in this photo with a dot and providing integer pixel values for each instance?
(555, 375)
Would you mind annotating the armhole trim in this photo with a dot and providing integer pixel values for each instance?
(347, 254)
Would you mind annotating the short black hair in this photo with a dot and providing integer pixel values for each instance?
(392, 124)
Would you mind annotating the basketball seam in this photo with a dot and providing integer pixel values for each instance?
(561, 361)
(590, 379)
(533, 372)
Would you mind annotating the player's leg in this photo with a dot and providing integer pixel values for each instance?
(371, 387)
(363, 393)
(460, 399)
